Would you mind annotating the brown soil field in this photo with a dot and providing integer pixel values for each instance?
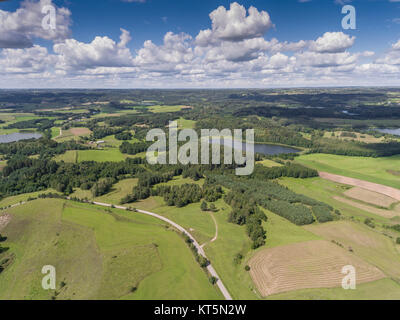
(388, 191)
(366, 243)
(306, 265)
(80, 131)
(371, 197)
(380, 212)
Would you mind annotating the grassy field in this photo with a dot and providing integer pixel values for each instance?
(282, 232)
(377, 170)
(103, 155)
(97, 255)
(106, 154)
(269, 163)
(70, 156)
(112, 141)
(186, 124)
(159, 109)
(22, 197)
(232, 239)
(11, 118)
(55, 132)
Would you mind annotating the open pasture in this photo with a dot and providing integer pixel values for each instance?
(98, 254)
(376, 170)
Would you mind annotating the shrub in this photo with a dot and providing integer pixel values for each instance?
(213, 280)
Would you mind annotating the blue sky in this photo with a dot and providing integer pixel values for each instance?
(371, 48)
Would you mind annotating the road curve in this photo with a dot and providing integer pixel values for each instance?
(200, 250)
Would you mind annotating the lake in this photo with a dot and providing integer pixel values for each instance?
(12, 137)
(395, 132)
(263, 148)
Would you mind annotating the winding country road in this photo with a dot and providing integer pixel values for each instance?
(199, 248)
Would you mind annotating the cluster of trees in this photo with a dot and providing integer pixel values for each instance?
(245, 211)
(126, 135)
(25, 175)
(294, 212)
(153, 120)
(138, 193)
(179, 196)
(205, 207)
(40, 124)
(294, 207)
(288, 170)
(101, 132)
(323, 213)
(282, 135)
(203, 262)
(102, 186)
(134, 148)
(193, 172)
(148, 179)
(211, 192)
(44, 147)
(355, 148)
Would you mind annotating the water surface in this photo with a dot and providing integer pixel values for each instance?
(17, 136)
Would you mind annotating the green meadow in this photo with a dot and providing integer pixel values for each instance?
(385, 170)
(98, 253)
(106, 154)
(160, 109)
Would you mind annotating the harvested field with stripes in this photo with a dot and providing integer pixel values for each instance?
(370, 245)
(380, 212)
(371, 197)
(306, 265)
